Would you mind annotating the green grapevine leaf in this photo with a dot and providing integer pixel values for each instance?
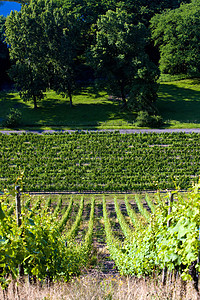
(2, 215)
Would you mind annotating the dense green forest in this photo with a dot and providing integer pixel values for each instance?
(122, 46)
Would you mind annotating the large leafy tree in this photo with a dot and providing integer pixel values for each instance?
(64, 40)
(43, 41)
(90, 10)
(26, 37)
(119, 58)
(4, 57)
(177, 35)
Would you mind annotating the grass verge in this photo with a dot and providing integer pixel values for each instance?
(103, 288)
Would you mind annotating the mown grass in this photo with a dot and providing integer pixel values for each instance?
(90, 109)
(178, 103)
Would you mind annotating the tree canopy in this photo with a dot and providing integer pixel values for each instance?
(119, 56)
(4, 56)
(49, 41)
(26, 38)
(176, 33)
(42, 39)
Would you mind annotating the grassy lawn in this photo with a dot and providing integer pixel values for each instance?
(178, 104)
(90, 109)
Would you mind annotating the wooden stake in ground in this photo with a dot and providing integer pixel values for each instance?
(19, 221)
(170, 202)
(18, 205)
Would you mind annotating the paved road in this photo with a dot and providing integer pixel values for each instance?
(189, 130)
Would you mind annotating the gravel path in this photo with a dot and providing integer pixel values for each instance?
(186, 130)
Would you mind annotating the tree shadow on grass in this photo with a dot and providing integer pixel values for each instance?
(85, 114)
(92, 108)
(178, 103)
(8, 101)
(89, 110)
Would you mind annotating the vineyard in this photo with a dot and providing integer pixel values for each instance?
(60, 238)
(100, 162)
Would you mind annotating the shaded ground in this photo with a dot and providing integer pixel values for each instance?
(178, 103)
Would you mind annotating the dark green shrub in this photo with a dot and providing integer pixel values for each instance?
(144, 119)
(13, 118)
(155, 121)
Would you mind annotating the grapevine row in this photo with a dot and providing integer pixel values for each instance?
(65, 216)
(132, 214)
(38, 245)
(169, 241)
(58, 207)
(75, 226)
(150, 203)
(89, 235)
(100, 161)
(124, 226)
(141, 208)
(114, 246)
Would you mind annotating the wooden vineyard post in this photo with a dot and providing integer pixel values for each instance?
(198, 261)
(19, 221)
(170, 202)
(18, 206)
(193, 271)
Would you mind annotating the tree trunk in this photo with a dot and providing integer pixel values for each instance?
(70, 95)
(70, 100)
(35, 102)
(123, 96)
(34, 97)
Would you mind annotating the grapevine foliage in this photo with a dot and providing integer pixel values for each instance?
(39, 245)
(160, 245)
(44, 245)
(104, 161)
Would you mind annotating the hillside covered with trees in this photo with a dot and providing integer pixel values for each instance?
(122, 46)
